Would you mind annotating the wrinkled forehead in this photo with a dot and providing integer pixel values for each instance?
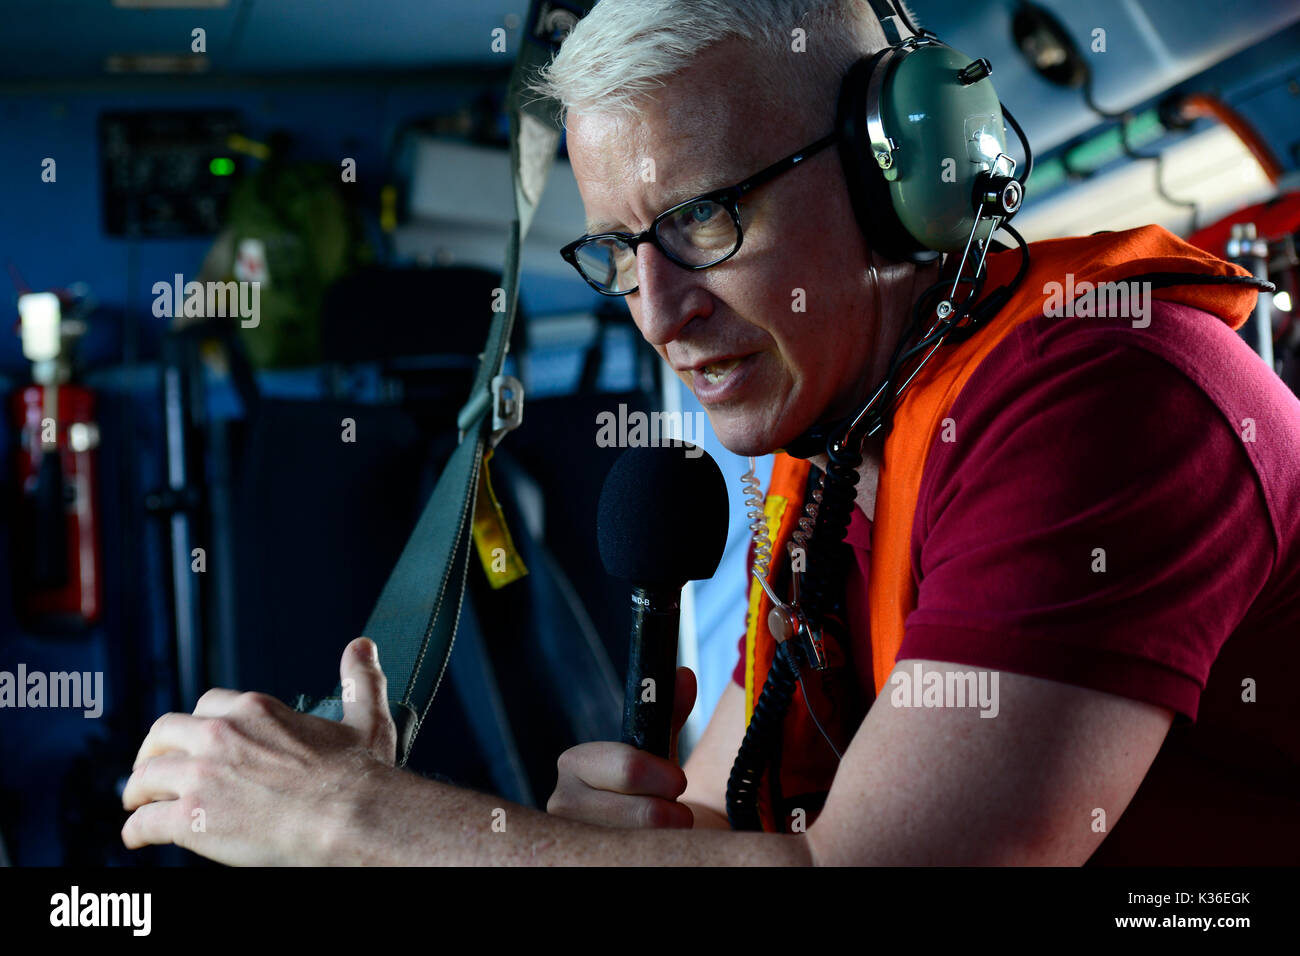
(707, 127)
(659, 147)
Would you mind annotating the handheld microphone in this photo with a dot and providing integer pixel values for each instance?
(661, 521)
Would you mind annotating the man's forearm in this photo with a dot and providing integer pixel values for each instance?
(403, 819)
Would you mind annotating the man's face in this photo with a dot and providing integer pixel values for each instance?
(783, 333)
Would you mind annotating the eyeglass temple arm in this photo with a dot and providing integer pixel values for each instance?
(783, 165)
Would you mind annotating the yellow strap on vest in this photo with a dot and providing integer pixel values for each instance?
(781, 510)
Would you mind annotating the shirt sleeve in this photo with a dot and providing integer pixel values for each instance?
(1095, 521)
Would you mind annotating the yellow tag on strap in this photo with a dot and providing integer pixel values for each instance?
(496, 549)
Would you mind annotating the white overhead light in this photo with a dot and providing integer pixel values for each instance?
(1282, 301)
(1211, 168)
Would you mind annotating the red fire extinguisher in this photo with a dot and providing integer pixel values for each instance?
(57, 549)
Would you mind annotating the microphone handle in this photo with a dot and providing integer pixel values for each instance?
(648, 708)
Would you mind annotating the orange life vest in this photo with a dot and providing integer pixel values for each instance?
(807, 765)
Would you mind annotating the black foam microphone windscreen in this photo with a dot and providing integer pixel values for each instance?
(662, 517)
(662, 521)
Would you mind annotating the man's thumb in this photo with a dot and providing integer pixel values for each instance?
(365, 697)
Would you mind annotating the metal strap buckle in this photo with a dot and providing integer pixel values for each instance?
(506, 398)
(815, 646)
(507, 407)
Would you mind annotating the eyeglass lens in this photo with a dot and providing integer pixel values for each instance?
(696, 235)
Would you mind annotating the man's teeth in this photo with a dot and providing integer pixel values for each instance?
(715, 373)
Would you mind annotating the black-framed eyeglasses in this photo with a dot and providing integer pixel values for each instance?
(695, 234)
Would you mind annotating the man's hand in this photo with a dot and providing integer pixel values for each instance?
(615, 785)
(246, 780)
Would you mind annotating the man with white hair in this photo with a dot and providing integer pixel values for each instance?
(1070, 439)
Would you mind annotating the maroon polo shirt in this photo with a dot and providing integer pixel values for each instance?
(1176, 451)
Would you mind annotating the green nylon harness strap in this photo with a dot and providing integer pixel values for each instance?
(414, 621)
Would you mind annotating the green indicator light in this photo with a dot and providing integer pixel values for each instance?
(221, 166)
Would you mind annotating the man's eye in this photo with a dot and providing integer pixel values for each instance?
(702, 213)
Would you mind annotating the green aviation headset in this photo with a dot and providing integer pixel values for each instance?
(923, 146)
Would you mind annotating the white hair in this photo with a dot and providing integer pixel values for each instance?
(625, 49)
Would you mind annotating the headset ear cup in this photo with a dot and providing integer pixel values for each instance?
(869, 191)
(873, 206)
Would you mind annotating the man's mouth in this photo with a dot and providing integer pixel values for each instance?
(717, 371)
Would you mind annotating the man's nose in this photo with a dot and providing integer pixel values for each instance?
(669, 296)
